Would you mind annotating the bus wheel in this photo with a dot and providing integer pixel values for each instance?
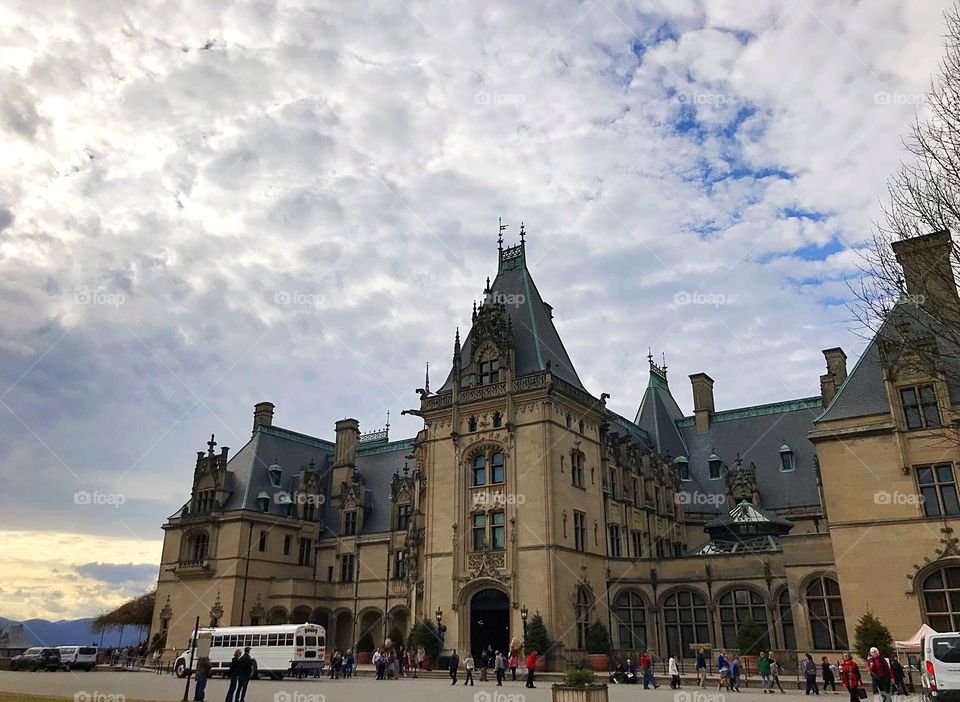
(180, 668)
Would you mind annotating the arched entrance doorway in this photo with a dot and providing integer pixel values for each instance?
(489, 621)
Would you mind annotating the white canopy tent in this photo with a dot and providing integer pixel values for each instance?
(913, 643)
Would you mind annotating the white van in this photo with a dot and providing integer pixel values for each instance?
(78, 657)
(941, 667)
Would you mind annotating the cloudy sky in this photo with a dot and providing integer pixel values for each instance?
(205, 205)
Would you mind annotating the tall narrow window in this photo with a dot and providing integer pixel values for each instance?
(920, 408)
(576, 468)
(826, 615)
(350, 523)
(479, 531)
(480, 470)
(636, 538)
(630, 620)
(403, 517)
(287, 539)
(614, 533)
(305, 548)
(346, 568)
(497, 468)
(472, 424)
(786, 620)
(498, 530)
(580, 531)
(262, 543)
(497, 420)
(582, 614)
(939, 490)
(399, 564)
(199, 546)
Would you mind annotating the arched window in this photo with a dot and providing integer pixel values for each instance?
(826, 615)
(582, 616)
(736, 607)
(686, 621)
(630, 616)
(497, 420)
(786, 620)
(472, 424)
(497, 472)
(199, 546)
(480, 470)
(941, 598)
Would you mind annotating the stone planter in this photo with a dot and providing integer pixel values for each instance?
(599, 662)
(590, 693)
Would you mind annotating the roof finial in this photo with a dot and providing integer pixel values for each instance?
(426, 382)
(500, 233)
(211, 444)
(487, 289)
(650, 355)
(523, 232)
(388, 421)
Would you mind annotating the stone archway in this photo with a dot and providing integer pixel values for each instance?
(343, 631)
(489, 621)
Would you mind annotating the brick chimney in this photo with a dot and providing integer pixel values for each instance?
(836, 373)
(262, 414)
(928, 273)
(348, 436)
(702, 400)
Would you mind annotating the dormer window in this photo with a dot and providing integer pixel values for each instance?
(489, 371)
(275, 472)
(263, 502)
(683, 467)
(497, 420)
(350, 523)
(472, 424)
(787, 464)
(716, 466)
(920, 408)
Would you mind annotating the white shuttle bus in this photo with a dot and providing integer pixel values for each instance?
(275, 650)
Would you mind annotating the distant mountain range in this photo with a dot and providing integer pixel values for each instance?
(67, 632)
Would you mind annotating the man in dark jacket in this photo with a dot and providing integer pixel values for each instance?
(244, 672)
(234, 674)
(454, 665)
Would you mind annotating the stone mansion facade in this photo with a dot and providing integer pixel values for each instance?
(523, 492)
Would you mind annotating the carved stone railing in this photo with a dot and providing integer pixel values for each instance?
(524, 383)
(482, 392)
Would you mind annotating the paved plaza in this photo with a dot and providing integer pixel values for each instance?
(128, 686)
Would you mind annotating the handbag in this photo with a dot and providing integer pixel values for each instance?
(862, 692)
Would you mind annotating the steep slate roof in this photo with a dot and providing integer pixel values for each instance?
(248, 474)
(755, 433)
(536, 340)
(659, 414)
(863, 393)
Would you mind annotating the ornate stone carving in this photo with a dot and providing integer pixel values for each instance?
(487, 563)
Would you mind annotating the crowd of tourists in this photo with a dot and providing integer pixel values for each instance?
(499, 661)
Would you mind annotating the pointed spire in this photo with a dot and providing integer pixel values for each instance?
(456, 352)
(523, 233)
(426, 382)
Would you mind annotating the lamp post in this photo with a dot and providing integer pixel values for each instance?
(441, 629)
(524, 612)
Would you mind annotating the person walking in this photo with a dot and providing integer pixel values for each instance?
(233, 672)
(763, 668)
(899, 688)
(827, 673)
(513, 664)
(701, 667)
(468, 666)
(454, 665)
(775, 671)
(735, 674)
(881, 674)
(850, 677)
(421, 657)
(348, 663)
(484, 664)
(674, 669)
(244, 671)
(531, 664)
(204, 669)
(500, 668)
(808, 669)
(646, 667)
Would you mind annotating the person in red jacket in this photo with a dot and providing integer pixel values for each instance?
(531, 664)
(881, 674)
(850, 677)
